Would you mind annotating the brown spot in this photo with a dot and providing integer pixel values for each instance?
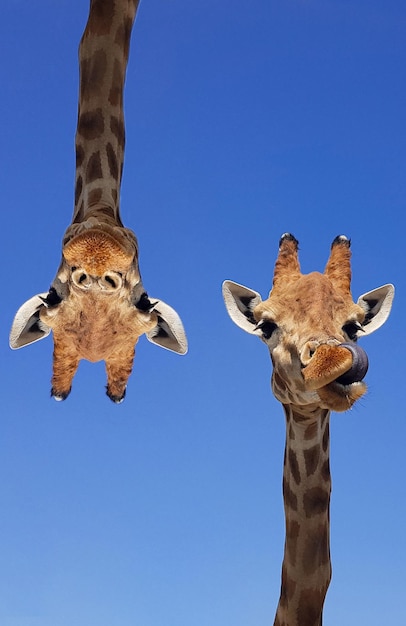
(280, 383)
(116, 89)
(311, 431)
(79, 212)
(312, 457)
(316, 552)
(117, 128)
(78, 188)
(94, 168)
(310, 607)
(128, 23)
(288, 588)
(292, 534)
(123, 35)
(92, 74)
(120, 34)
(80, 155)
(316, 501)
(294, 466)
(91, 125)
(100, 17)
(112, 161)
(325, 470)
(326, 438)
(289, 496)
(94, 196)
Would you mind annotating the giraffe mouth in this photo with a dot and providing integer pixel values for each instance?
(359, 366)
(344, 365)
(338, 397)
(336, 373)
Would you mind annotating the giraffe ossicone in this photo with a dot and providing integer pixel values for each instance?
(97, 306)
(310, 325)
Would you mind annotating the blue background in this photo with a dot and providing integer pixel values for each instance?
(244, 121)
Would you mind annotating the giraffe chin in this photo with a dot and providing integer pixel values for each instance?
(97, 250)
(340, 398)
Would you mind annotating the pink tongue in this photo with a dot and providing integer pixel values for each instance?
(359, 365)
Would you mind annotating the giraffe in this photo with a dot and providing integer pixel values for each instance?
(310, 324)
(97, 307)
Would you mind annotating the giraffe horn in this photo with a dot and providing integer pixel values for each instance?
(338, 268)
(287, 268)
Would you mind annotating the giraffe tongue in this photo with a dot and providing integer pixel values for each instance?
(345, 364)
(359, 365)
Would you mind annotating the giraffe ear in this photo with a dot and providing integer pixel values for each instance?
(240, 302)
(377, 305)
(27, 326)
(169, 332)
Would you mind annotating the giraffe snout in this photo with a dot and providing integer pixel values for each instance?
(326, 365)
(345, 363)
(310, 347)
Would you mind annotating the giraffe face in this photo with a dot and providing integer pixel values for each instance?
(295, 322)
(311, 324)
(97, 309)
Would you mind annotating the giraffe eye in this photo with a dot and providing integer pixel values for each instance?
(352, 329)
(267, 328)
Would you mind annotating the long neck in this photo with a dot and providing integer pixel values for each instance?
(306, 569)
(100, 135)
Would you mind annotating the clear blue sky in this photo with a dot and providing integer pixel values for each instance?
(244, 120)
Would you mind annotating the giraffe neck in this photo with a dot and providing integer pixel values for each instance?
(100, 135)
(306, 569)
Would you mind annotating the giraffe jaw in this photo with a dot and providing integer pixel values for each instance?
(333, 396)
(340, 398)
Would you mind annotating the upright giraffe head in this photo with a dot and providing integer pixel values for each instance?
(97, 306)
(311, 324)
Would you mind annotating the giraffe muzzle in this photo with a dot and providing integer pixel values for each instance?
(345, 364)
(98, 251)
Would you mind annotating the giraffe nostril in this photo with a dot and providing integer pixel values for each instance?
(308, 351)
(111, 281)
(81, 279)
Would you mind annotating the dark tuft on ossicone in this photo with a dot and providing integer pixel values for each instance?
(341, 240)
(288, 237)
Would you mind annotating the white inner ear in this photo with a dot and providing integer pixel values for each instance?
(19, 336)
(383, 298)
(240, 302)
(176, 339)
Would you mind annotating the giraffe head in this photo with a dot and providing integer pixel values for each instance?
(97, 308)
(311, 324)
